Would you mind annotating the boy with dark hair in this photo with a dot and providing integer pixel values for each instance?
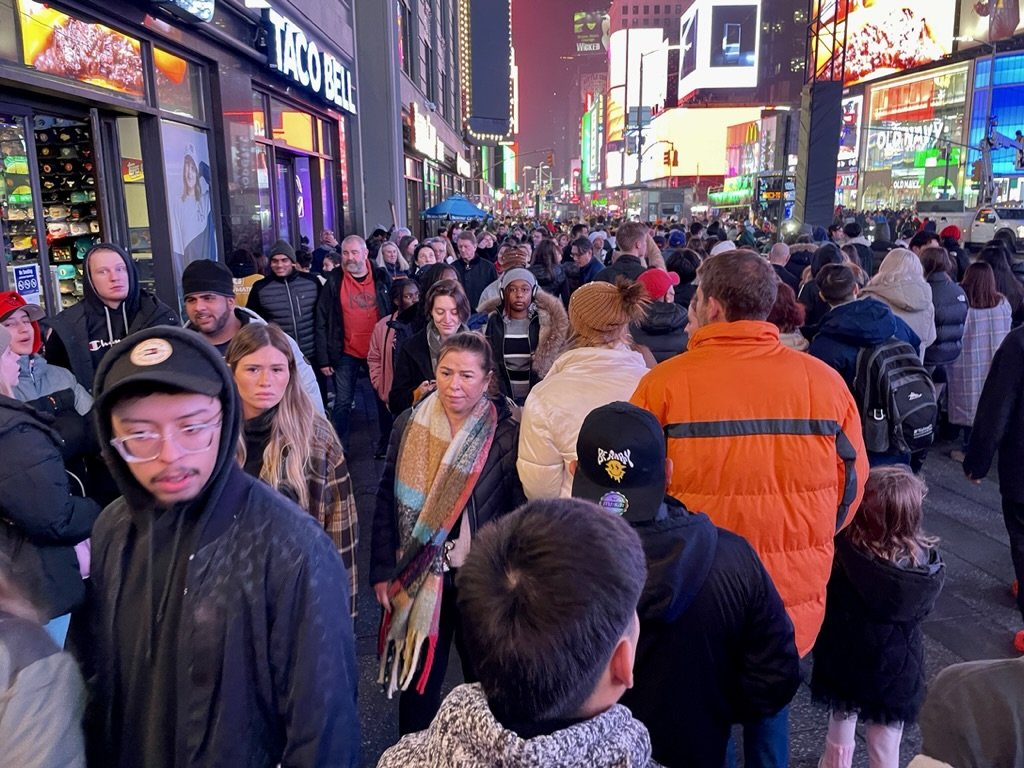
(548, 595)
(711, 622)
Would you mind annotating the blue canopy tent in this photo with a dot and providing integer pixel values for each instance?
(455, 208)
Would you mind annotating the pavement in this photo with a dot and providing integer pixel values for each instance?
(974, 618)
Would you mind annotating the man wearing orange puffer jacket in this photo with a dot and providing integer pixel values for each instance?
(767, 441)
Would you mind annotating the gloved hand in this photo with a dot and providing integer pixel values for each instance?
(55, 403)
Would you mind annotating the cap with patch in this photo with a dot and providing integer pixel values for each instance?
(621, 461)
(163, 356)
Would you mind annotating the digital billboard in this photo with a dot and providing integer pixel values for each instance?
(883, 37)
(719, 45)
(986, 21)
(849, 133)
(590, 29)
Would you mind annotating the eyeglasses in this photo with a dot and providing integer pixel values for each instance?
(146, 446)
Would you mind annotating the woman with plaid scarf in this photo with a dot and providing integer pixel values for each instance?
(287, 443)
(451, 469)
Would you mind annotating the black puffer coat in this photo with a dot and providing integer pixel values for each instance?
(290, 302)
(42, 520)
(950, 315)
(663, 330)
(497, 492)
(869, 655)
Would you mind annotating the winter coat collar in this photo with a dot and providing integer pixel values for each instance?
(465, 732)
(755, 332)
(598, 360)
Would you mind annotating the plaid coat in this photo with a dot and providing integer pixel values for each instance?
(984, 331)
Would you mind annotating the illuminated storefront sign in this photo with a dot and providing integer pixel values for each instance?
(296, 56)
(882, 37)
(424, 136)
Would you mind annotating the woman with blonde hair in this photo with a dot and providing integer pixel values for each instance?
(287, 443)
(600, 366)
(389, 257)
(901, 284)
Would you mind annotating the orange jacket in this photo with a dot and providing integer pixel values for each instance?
(767, 441)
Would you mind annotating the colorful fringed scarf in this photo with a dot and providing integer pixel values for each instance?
(435, 476)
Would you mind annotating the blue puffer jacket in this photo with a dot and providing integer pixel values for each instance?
(290, 302)
(950, 315)
(846, 329)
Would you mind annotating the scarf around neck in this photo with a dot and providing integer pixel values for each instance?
(435, 475)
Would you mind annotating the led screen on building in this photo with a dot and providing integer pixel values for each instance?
(849, 133)
(719, 45)
(883, 37)
(986, 21)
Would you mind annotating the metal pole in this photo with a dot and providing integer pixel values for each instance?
(625, 130)
(987, 196)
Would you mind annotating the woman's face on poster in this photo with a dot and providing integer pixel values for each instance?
(191, 173)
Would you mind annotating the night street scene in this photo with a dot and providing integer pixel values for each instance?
(458, 383)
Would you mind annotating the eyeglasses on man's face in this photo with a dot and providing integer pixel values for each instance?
(146, 445)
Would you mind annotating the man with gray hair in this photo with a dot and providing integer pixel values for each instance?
(350, 304)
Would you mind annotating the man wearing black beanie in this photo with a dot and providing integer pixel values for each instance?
(209, 293)
(287, 297)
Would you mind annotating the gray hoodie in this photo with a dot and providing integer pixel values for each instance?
(465, 732)
(910, 300)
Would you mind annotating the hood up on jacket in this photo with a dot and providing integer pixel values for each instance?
(465, 732)
(139, 499)
(863, 323)
(680, 549)
(104, 322)
(910, 295)
(891, 593)
(554, 328)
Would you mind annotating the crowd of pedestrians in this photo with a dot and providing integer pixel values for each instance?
(641, 478)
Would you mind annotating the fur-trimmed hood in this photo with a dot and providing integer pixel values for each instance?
(553, 332)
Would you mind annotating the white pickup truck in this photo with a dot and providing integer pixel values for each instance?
(981, 224)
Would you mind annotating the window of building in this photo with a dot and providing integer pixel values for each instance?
(636, 9)
(625, 10)
(657, 10)
(429, 72)
(446, 97)
(647, 10)
(405, 49)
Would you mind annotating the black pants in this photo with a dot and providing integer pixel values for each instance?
(416, 711)
(1013, 516)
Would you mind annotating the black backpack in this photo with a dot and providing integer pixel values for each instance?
(896, 397)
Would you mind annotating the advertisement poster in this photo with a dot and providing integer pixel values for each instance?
(688, 40)
(187, 174)
(591, 31)
(62, 45)
(883, 37)
(987, 21)
(733, 35)
(849, 134)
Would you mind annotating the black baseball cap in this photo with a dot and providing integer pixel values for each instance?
(621, 461)
(166, 356)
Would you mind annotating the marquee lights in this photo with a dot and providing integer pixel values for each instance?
(466, 66)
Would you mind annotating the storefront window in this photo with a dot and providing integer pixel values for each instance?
(258, 230)
(178, 84)
(94, 54)
(342, 155)
(17, 213)
(259, 114)
(133, 177)
(327, 194)
(292, 126)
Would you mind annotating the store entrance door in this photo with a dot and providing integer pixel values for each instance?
(294, 187)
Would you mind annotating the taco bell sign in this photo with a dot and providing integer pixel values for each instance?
(296, 56)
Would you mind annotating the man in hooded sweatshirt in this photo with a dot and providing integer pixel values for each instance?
(114, 306)
(711, 621)
(223, 632)
(548, 597)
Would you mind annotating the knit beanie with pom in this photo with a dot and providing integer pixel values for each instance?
(599, 311)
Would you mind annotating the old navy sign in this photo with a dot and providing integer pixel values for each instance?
(297, 57)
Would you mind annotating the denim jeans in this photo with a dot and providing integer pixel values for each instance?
(765, 743)
(346, 374)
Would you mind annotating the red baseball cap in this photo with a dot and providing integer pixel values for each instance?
(657, 282)
(11, 302)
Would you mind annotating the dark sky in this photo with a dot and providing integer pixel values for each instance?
(542, 33)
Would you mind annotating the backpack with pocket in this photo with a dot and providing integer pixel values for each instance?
(896, 398)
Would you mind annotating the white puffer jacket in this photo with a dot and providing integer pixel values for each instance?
(579, 381)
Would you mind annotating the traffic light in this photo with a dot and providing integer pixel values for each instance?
(976, 171)
(550, 159)
(666, 157)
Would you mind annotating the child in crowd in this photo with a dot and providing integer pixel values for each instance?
(869, 656)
